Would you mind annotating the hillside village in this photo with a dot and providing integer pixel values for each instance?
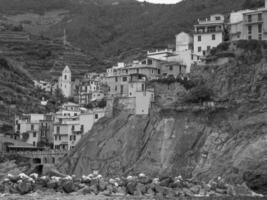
(93, 97)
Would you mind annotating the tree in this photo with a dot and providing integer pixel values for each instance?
(199, 94)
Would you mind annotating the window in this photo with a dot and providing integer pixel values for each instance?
(34, 134)
(217, 18)
(70, 137)
(34, 143)
(55, 138)
(75, 114)
(116, 88)
(249, 29)
(208, 48)
(72, 128)
(82, 128)
(116, 79)
(260, 28)
(249, 37)
(171, 68)
(249, 18)
(260, 37)
(213, 37)
(199, 38)
(260, 17)
(143, 87)
(32, 127)
(124, 79)
(199, 49)
(74, 137)
(18, 127)
(96, 116)
(65, 77)
(58, 129)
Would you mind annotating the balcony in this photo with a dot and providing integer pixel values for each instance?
(253, 21)
(203, 31)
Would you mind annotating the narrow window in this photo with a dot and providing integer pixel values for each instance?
(96, 116)
(199, 38)
(260, 28)
(249, 29)
(213, 37)
(199, 49)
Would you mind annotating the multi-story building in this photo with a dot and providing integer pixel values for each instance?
(208, 33)
(27, 127)
(118, 77)
(62, 130)
(90, 89)
(249, 24)
(46, 129)
(69, 129)
(178, 59)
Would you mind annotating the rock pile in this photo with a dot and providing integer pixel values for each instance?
(140, 185)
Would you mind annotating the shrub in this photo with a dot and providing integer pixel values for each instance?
(199, 94)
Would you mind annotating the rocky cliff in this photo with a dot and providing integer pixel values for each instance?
(203, 142)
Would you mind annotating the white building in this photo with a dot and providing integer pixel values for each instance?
(43, 85)
(27, 127)
(208, 33)
(68, 130)
(65, 83)
(249, 24)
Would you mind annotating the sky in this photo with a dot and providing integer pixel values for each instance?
(162, 1)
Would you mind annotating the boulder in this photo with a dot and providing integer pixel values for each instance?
(188, 192)
(68, 187)
(195, 189)
(24, 187)
(102, 185)
(52, 184)
(144, 180)
(141, 189)
(166, 181)
(131, 187)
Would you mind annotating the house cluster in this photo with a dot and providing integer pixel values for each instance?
(128, 82)
(61, 130)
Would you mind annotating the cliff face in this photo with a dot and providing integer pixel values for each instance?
(228, 140)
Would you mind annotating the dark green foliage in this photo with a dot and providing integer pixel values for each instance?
(252, 4)
(199, 94)
(111, 33)
(221, 47)
(184, 81)
(97, 104)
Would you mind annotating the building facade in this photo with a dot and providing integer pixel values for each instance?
(208, 33)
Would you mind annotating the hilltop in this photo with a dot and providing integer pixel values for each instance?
(111, 31)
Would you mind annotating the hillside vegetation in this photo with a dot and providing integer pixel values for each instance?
(110, 32)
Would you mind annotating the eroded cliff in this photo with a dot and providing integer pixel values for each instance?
(228, 139)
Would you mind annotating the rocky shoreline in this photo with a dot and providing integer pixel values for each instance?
(140, 186)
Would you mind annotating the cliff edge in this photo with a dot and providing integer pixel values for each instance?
(227, 138)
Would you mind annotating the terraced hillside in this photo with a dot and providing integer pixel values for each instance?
(42, 54)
